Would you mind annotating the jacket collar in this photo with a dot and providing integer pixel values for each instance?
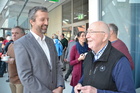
(105, 55)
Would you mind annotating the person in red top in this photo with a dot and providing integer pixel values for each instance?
(8, 38)
(4, 42)
(77, 55)
(119, 44)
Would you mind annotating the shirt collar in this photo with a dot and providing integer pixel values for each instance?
(113, 41)
(99, 53)
(38, 37)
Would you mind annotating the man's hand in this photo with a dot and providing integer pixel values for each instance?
(88, 89)
(11, 60)
(3, 55)
(77, 88)
(65, 60)
(58, 90)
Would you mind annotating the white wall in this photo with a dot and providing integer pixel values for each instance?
(93, 11)
(55, 25)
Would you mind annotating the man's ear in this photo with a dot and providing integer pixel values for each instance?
(105, 37)
(31, 22)
(111, 32)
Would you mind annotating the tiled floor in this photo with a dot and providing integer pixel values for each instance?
(4, 86)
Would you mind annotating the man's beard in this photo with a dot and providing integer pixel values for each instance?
(44, 30)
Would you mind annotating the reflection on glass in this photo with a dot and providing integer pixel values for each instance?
(125, 14)
(79, 28)
(67, 32)
(80, 10)
(1, 33)
(66, 13)
(118, 12)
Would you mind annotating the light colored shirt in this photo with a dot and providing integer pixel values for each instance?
(99, 53)
(43, 45)
(121, 74)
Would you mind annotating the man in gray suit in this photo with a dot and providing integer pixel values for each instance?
(38, 65)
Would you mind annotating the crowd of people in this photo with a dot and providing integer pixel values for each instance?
(99, 62)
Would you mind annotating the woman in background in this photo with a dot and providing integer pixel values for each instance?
(77, 55)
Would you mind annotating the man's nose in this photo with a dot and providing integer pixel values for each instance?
(14, 35)
(87, 35)
(46, 22)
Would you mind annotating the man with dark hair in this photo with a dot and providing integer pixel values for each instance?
(39, 68)
(64, 43)
(119, 44)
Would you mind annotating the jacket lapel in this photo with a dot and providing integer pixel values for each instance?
(38, 48)
(50, 47)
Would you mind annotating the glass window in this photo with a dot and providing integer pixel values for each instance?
(4, 32)
(1, 33)
(125, 14)
(66, 14)
(78, 28)
(27, 31)
(67, 32)
(80, 10)
(113, 12)
(135, 39)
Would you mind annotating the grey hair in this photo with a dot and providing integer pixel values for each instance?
(113, 27)
(55, 37)
(32, 12)
(22, 29)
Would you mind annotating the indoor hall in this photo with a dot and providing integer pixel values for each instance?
(4, 86)
(72, 16)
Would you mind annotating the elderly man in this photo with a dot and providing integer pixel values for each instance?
(106, 70)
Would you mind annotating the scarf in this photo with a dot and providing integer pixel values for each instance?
(82, 49)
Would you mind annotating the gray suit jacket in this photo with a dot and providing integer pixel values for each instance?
(33, 67)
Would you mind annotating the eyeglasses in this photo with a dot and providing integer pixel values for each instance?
(94, 32)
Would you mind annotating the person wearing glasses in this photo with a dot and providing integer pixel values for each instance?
(105, 69)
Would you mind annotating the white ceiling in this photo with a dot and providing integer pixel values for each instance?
(12, 8)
